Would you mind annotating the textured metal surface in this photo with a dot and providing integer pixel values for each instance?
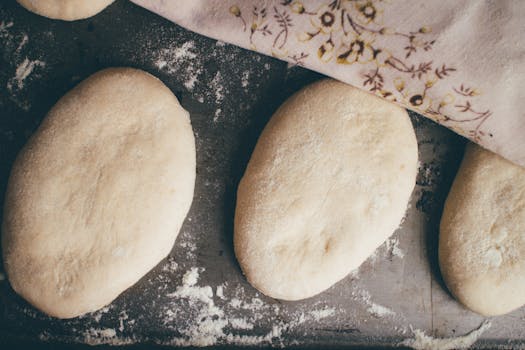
(230, 94)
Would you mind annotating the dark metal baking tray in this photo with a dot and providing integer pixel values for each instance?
(230, 94)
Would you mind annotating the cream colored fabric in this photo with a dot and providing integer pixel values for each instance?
(482, 238)
(328, 182)
(97, 196)
(67, 10)
(460, 63)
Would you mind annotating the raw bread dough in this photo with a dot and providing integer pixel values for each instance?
(328, 182)
(482, 238)
(97, 196)
(67, 10)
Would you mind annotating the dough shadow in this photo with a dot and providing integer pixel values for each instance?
(433, 190)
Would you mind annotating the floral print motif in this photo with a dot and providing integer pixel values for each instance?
(350, 33)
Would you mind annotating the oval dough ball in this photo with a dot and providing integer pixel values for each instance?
(482, 234)
(67, 10)
(328, 182)
(97, 196)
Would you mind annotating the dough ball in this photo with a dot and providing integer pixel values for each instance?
(328, 182)
(482, 234)
(97, 196)
(67, 10)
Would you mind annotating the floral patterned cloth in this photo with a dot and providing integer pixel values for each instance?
(460, 63)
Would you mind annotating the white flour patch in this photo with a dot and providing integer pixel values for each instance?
(220, 292)
(392, 247)
(421, 341)
(211, 324)
(372, 308)
(4, 29)
(186, 242)
(181, 61)
(218, 87)
(97, 315)
(23, 71)
(245, 78)
(95, 336)
(24, 41)
(217, 115)
(379, 310)
(190, 81)
(320, 314)
(240, 323)
(123, 316)
(170, 266)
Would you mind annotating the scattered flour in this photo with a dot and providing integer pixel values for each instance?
(217, 324)
(217, 115)
(186, 242)
(95, 336)
(23, 71)
(13, 45)
(320, 314)
(97, 315)
(245, 78)
(373, 308)
(220, 292)
(392, 246)
(240, 323)
(123, 316)
(181, 60)
(24, 41)
(218, 87)
(4, 26)
(170, 266)
(379, 310)
(421, 341)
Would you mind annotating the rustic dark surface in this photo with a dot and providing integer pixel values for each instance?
(227, 116)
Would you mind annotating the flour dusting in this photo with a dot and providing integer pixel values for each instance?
(320, 314)
(171, 265)
(245, 79)
(24, 41)
(22, 72)
(221, 316)
(372, 308)
(4, 26)
(220, 292)
(180, 60)
(95, 336)
(97, 315)
(218, 87)
(421, 341)
(23, 68)
(392, 246)
(379, 310)
(240, 323)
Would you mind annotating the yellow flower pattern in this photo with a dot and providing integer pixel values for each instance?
(351, 32)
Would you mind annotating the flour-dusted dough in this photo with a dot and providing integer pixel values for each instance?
(328, 182)
(482, 234)
(97, 196)
(67, 10)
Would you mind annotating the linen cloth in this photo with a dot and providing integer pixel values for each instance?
(459, 63)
